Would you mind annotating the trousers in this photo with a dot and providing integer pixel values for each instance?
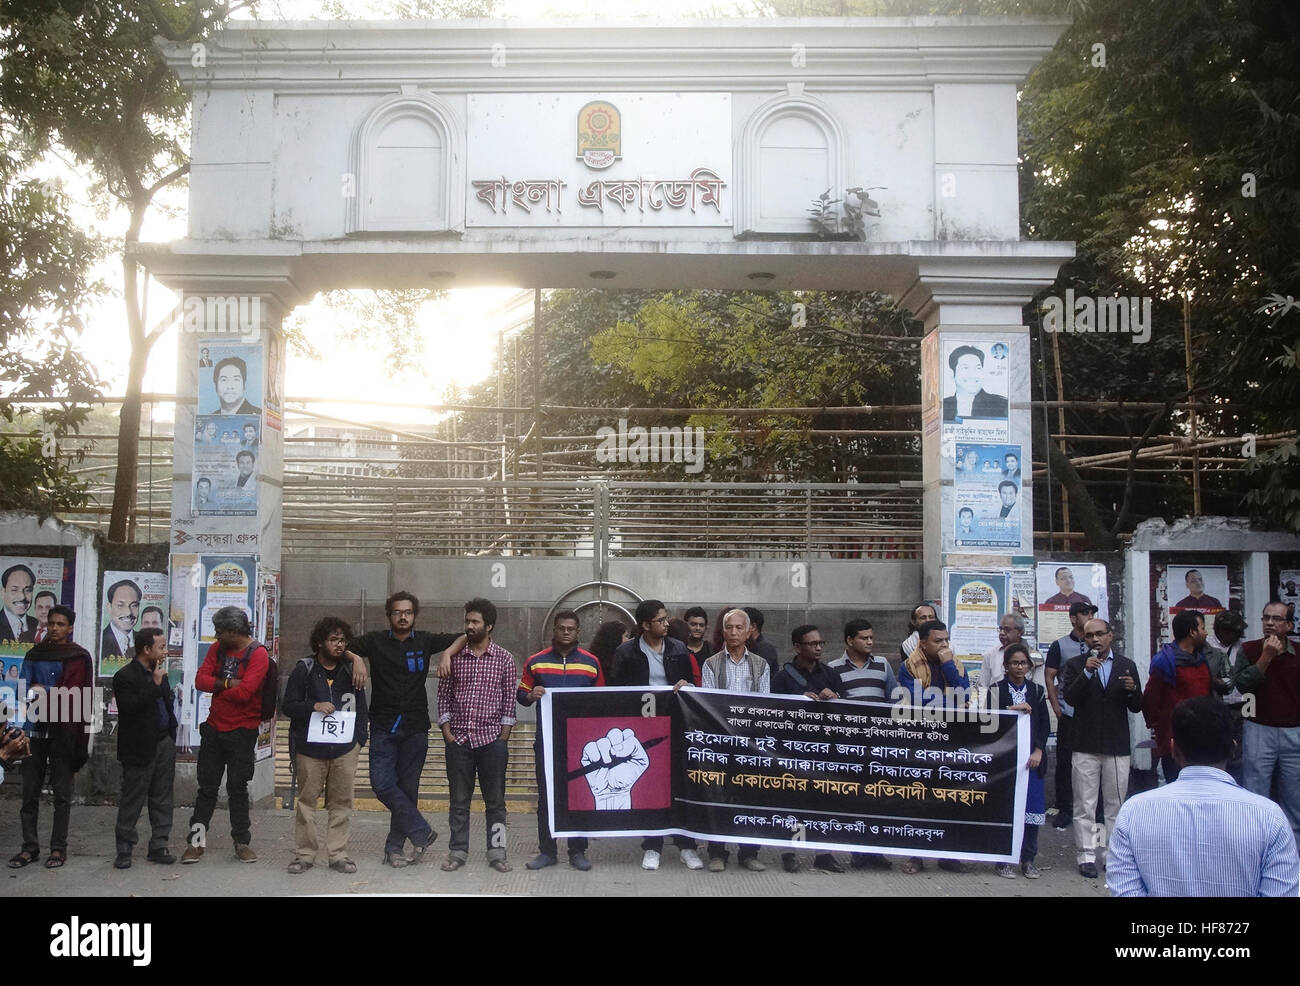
(1096, 774)
(337, 778)
(229, 753)
(488, 762)
(56, 752)
(152, 784)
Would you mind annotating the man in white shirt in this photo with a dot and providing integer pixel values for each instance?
(736, 669)
(1202, 835)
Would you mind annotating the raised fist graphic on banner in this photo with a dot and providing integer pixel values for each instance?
(622, 761)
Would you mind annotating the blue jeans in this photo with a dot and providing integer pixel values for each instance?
(489, 763)
(1269, 750)
(396, 760)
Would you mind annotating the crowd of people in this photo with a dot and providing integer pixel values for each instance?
(1221, 712)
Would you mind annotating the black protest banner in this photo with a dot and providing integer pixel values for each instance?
(782, 770)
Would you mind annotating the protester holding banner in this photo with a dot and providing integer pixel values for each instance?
(807, 676)
(1016, 692)
(562, 665)
(736, 669)
(55, 666)
(322, 686)
(654, 658)
(1061, 650)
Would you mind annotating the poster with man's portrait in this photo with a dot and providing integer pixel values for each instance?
(986, 497)
(1199, 588)
(233, 383)
(226, 454)
(29, 586)
(974, 375)
(1060, 586)
(131, 601)
(1288, 590)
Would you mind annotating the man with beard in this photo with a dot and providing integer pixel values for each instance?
(476, 711)
(59, 676)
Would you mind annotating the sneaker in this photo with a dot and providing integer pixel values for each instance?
(1088, 871)
(1030, 871)
(1005, 870)
(692, 859)
(650, 860)
(244, 853)
(579, 861)
(192, 854)
(540, 861)
(789, 862)
(717, 864)
(753, 865)
(161, 856)
(123, 861)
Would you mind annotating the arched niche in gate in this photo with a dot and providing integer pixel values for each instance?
(790, 151)
(409, 134)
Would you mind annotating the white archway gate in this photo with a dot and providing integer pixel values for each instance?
(637, 155)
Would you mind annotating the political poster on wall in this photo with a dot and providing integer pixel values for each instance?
(974, 374)
(29, 586)
(131, 602)
(230, 377)
(973, 603)
(1197, 588)
(274, 382)
(227, 580)
(986, 497)
(226, 454)
(785, 771)
(1060, 586)
(182, 645)
(1288, 590)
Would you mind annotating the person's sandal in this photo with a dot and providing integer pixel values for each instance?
(24, 858)
(57, 858)
(451, 864)
(299, 866)
(343, 866)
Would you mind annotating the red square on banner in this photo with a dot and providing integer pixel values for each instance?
(632, 762)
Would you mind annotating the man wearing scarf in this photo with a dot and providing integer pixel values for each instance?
(1178, 671)
(58, 722)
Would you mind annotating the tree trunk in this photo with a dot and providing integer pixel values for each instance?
(128, 426)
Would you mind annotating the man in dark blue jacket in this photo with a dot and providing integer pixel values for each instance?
(323, 684)
(146, 746)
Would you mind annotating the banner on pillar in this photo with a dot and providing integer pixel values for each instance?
(785, 771)
(274, 382)
(986, 499)
(975, 376)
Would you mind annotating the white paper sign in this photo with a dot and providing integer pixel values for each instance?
(336, 727)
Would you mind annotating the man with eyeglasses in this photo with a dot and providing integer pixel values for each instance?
(1103, 687)
(806, 675)
(1269, 670)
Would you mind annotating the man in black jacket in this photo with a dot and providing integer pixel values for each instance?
(146, 746)
(654, 658)
(1104, 688)
(323, 683)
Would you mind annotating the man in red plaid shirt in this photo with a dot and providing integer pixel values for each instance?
(476, 711)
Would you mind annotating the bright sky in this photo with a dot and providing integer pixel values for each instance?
(459, 333)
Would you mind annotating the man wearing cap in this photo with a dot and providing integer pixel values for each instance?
(1062, 649)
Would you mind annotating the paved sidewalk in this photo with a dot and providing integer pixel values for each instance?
(617, 871)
